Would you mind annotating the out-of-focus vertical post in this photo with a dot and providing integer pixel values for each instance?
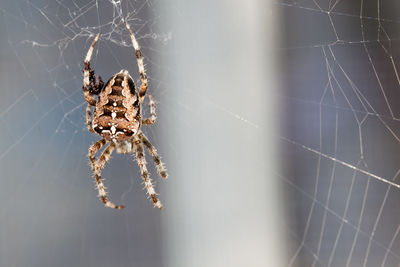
(223, 201)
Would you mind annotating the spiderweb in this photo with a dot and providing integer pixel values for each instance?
(339, 139)
(341, 131)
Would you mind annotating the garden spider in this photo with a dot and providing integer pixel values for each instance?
(117, 117)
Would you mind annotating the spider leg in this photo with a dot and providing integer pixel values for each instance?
(139, 58)
(138, 147)
(104, 158)
(98, 166)
(89, 118)
(153, 115)
(92, 83)
(153, 152)
(93, 150)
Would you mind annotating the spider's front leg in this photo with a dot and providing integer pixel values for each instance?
(92, 84)
(139, 59)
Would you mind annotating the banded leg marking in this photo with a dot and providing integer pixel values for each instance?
(98, 166)
(93, 150)
(145, 174)
(153, 115)
(89, 118)
(161, 170)
(87, 72)
(139, 58)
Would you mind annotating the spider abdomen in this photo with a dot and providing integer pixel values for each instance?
(117, 114)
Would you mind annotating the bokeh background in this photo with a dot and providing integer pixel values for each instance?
(278, 122)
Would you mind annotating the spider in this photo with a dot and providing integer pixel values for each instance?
(117, 118)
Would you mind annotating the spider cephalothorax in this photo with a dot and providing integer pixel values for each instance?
(117, 118)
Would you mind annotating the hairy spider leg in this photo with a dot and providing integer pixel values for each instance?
(88, 73)
(139, 58)
(92, 84)
(93, 150)
(153, 115)
(140, 158)
(162, 172)
(104, 158)
(89, 118)
(98, 166)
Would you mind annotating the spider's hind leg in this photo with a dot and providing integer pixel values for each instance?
(138, 147)
(98, 166)
(161, 170)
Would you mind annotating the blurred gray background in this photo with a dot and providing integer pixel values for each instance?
(277, 120)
